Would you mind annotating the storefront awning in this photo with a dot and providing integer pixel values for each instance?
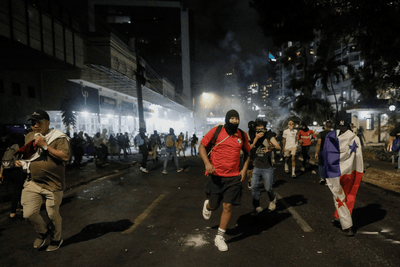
(111, 79)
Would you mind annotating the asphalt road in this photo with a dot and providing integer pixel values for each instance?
(138, 219)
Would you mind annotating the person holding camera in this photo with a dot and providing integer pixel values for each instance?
(264, 142)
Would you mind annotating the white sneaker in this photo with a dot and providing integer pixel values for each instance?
(219, 242)
(180, 170)
(286, 168)
(206, 212)
(302, 169)
(281, 159)
(249, 185)
(144, 170)
(164, 172)
(272, 205)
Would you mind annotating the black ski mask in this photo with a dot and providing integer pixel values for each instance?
(230, 127)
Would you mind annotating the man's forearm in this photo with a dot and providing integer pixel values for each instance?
(203, 154)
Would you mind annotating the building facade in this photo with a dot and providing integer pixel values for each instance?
(54, 57)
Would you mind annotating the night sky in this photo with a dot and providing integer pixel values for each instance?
(227, 37)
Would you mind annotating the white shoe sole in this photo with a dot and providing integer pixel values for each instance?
(206, 213)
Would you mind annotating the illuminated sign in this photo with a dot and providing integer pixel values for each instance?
(215, 120)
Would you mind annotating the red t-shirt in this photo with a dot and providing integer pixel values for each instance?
(306, 137)
(226, 156)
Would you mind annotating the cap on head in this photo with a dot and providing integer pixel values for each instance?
(39, 115)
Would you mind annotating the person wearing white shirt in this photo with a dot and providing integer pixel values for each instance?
(290, 145)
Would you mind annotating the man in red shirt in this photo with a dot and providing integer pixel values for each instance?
(304, 136)
(223, 166)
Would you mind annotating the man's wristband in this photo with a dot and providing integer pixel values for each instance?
(45, 147)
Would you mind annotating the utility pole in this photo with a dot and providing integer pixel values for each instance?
(139, 80)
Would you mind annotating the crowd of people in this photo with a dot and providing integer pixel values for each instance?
(338, 153)
(230, 157)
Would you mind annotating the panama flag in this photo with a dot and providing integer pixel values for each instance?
(344, 167)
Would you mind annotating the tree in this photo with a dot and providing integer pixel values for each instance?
(316, 109)
(368, 25)
(68, 117)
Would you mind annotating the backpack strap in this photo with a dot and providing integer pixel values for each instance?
(210, 145)
(217, 131)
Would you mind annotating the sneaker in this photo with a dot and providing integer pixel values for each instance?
(54, 245)
(286, 168)
(206, 212)
(348, 232)
(40, 241)
(249, 185)
(281, 159)
(272, 205)
(219, 242)
(144, 170)
(322, 181)
(294, 175)
(302, 169)
(314, 172)
(164, 172)
(180, 170)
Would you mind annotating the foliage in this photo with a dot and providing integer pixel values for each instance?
(68, 117)
(315, 109)
(368, 26)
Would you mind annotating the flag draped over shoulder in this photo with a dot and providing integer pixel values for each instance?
(344, 167)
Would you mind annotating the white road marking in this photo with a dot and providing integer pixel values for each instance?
(143, 216)
(300, 221)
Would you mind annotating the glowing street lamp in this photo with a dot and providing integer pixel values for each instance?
(206, 95)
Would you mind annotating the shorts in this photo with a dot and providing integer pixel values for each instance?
(290, 151)
(224, 189)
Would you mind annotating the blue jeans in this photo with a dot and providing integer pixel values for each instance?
(321, 172)
(268, 176)
(168, 154)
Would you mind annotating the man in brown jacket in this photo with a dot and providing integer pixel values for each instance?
(45, 178)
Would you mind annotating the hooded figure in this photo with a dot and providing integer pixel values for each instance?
(304, 126)
(231, 128)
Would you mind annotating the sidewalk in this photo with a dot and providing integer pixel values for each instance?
(76, 176)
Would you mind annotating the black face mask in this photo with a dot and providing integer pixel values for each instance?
(230, 127)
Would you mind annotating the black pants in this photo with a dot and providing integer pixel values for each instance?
(304, 152)
(17, 176)
(145, 153)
